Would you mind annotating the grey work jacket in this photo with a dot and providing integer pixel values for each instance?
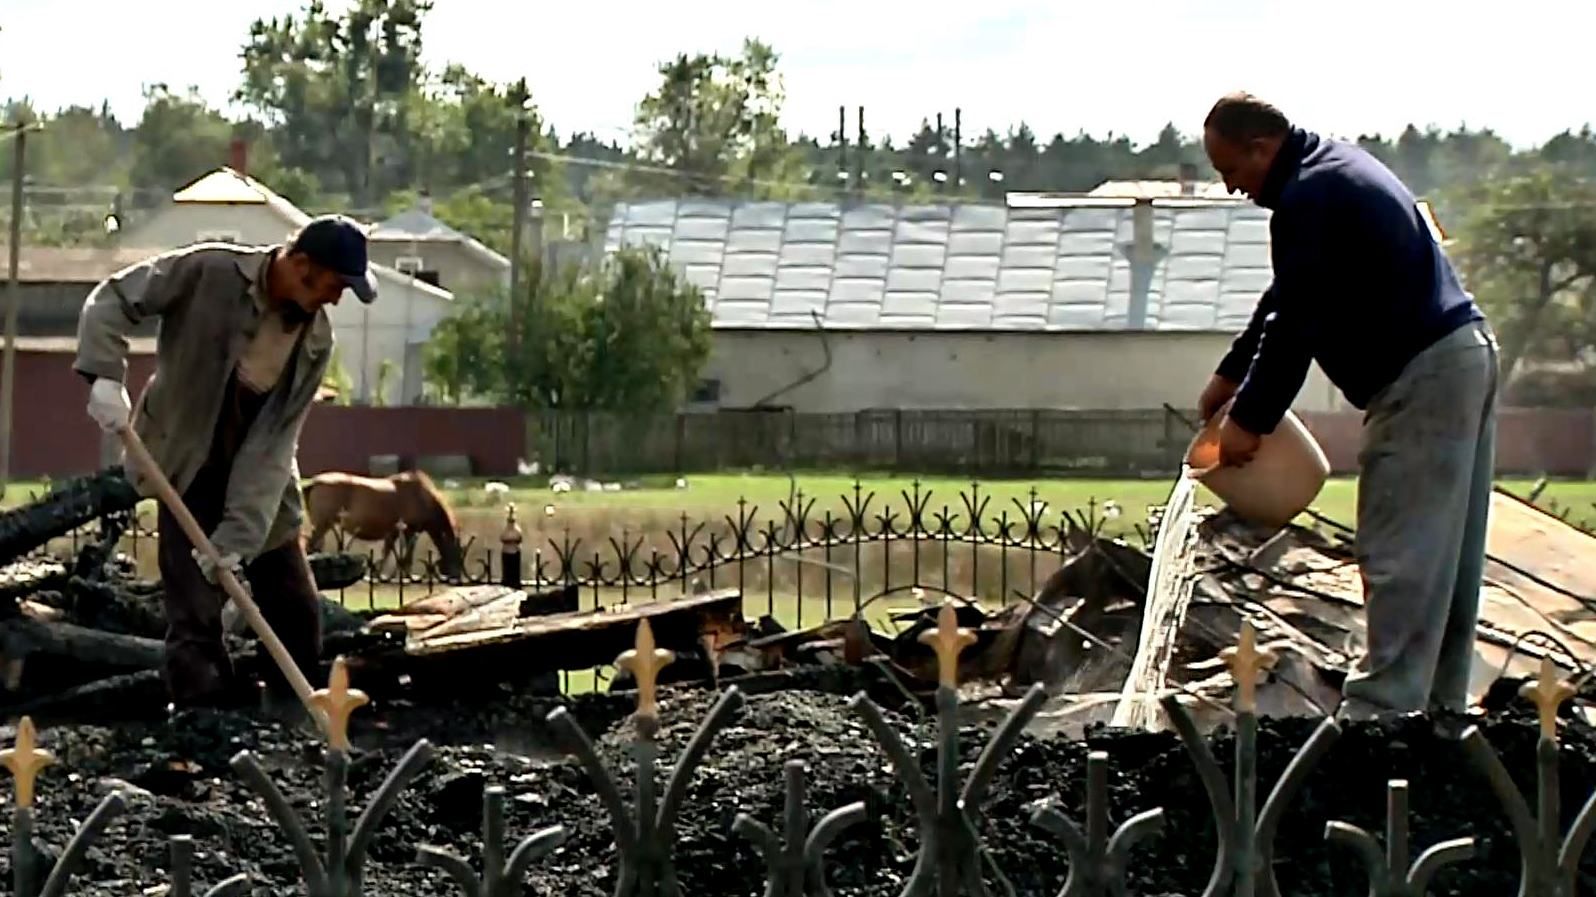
(209, 308)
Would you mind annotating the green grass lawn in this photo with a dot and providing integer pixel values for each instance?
(655, 499)
(764, 495)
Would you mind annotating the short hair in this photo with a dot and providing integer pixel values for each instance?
(1240, 117)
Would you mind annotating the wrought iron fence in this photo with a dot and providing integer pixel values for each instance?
(948, 803)
(806, 562)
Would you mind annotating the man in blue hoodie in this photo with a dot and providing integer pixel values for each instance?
(1362, 287)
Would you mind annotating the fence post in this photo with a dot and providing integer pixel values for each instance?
(897, 439)
(510, 550)
(1036, 439)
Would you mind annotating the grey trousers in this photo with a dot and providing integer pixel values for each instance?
(1424, 499)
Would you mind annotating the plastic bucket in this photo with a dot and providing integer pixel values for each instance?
(1282, 479)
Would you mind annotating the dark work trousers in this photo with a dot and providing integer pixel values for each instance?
(198, 671)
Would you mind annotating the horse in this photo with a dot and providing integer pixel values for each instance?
(371, 509)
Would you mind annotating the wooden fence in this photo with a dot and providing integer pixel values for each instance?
(1150, 443)
(1101, 443)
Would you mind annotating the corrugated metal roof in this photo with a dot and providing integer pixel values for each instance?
(418, 226)
(136, 345)
(415, 224)
(70, 264)
(1161, 189)
(1064, 267)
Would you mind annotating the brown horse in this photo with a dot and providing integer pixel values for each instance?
(371, 509)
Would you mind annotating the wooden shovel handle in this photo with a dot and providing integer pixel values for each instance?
(196, 536)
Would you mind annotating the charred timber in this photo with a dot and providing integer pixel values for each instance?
(68, 506)
(574, 641)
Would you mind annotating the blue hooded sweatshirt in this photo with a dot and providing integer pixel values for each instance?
(1360, 284)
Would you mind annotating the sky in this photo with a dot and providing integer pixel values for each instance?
(1125, 67)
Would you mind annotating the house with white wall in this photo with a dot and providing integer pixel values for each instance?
(379, 346)
(414, 242)
(1045, 302)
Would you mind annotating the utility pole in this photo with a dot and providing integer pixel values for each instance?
(958, 115)
(941, 162)
(518, 226)
(8, 367)
(842, 144)
(859, 157)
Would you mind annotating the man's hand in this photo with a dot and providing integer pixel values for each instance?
(1218, 391)
(108, 405)
(230, 560)
(1236, 445)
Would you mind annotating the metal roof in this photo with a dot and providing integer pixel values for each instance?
(418, 226)
(1065, 266)
(71, 264)
(225, 186)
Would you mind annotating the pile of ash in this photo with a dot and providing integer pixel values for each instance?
(178, 781)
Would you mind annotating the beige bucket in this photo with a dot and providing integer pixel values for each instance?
(1283, 478)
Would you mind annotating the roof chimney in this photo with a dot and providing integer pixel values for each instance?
(1142, 227)
(1144, 254)
(1188, 178)
(424, 201)
(238, 155)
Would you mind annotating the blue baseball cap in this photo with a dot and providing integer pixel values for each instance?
(338, 243)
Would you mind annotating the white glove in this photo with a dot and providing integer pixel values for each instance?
(109, 405)
(230, 560)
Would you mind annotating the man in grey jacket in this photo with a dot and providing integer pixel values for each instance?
(244, 344)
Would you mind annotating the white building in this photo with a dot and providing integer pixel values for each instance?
(1067, 303)
(380, 344)
(414, 242)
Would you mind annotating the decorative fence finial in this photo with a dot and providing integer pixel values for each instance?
(338, 701)
(1246, 836)
(645, 833)
(510, 537)
(1247, 662)
(1547, 693)
(645, 661)
(949, 861)
(948, 640)
(1549, 860)
(341, 872)
(26, 761)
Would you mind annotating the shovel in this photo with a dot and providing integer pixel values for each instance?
(235, 590)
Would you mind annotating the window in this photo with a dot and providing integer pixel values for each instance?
(706, 392)
(415, 266)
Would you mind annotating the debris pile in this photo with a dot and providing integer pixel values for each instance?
(1108, 631)
(178, 782)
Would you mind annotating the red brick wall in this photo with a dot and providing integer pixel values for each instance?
(1554, 441)
(345, 437)
(51, 431)
(53, 436)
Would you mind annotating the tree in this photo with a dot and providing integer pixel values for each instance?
(79, 146)
(625, 333)
(178, 138)
(340, 90)
(715, 121)
(1527, 248)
